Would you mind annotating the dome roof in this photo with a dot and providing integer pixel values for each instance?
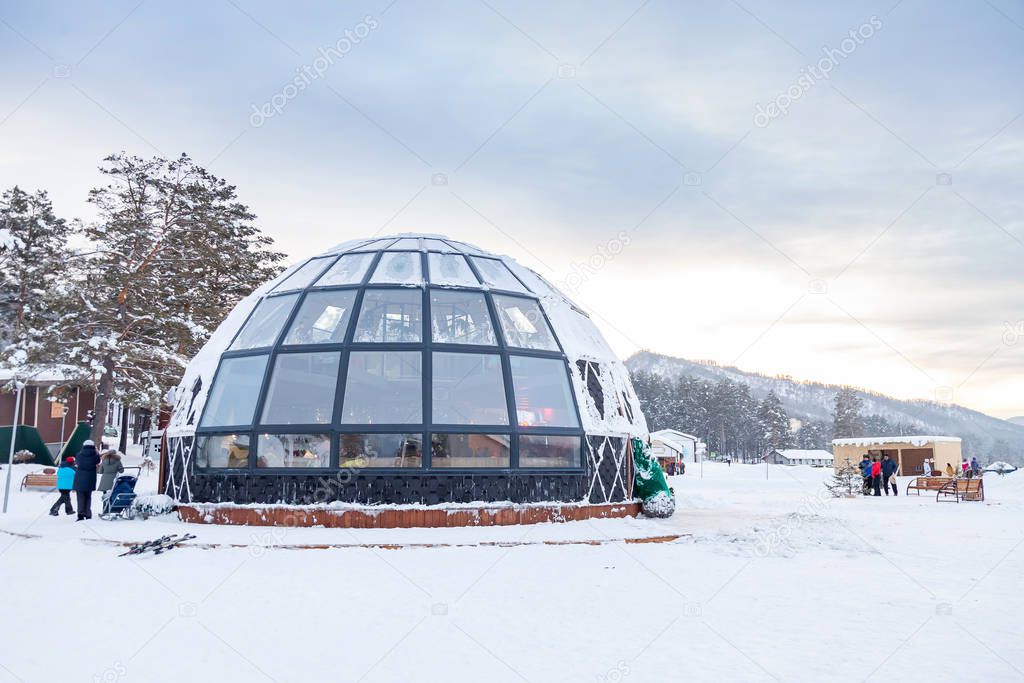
(412, 336)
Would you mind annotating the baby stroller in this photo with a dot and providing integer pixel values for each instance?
(117, 502)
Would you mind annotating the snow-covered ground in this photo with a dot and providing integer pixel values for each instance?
(769, 580)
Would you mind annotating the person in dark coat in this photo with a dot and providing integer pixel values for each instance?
(65, 480)
(889, 467)
(865, 473)
(85, 478)
(876, 476)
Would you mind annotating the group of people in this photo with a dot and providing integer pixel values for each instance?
(78, 473)
(967, 469)
(878, 475)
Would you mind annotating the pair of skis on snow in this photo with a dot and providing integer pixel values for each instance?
(159, 545)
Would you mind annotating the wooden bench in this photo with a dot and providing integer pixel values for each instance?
(962, 489)
(919, 484)
(44, 481)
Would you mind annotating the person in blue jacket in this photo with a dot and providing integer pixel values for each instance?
(865, 473)
(889, 467)
(87, 461)
(65, 480)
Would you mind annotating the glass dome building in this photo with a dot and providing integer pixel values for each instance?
(412, 369)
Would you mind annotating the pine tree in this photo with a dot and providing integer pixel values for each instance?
(33, 257)
(846, 421)
(814, 434)
(172, 251)
(773, 423)
(846, 481)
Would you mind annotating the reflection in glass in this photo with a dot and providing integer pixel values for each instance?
(497, 275)
(451, 269)
(390, 315)
(461, 317)
(322, 319)
(398, 267)
(232, 400)
(543, 450)
(302, 388)
(543, 397)
(523, 323)
(380, 450)
(468, 388)
(383, 387)
(222, 450)
(293, 450)
(469, 450)
(349, 270)
(265, 323)
(309, 271)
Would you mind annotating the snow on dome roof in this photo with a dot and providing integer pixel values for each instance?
(506, 307)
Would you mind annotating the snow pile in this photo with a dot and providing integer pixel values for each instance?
(661, 505)
(154, 504)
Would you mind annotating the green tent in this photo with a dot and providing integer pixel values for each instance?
(74, 444)
(26, 439)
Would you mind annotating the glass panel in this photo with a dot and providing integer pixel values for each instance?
(391, 315)
(466, 248)
(399, 267)
(322, 319)
(436, 245)
(468, 389)
(265, 323)
(469, 450)
(381, 450)
(451, 269)
(232, 399)
(293, 450)
(301, 278)
(461, 318)
(302, 389)
(542, 393)
(349, 270)
(541, 450)
(523, 323)
(497, 275)
(383, 387)
(222, 450)
(406, 243)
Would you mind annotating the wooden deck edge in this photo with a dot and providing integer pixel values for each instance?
(402, 518)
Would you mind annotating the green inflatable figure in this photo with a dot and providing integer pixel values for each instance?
(650, 483)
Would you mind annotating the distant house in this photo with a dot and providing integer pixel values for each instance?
(52, 403)
(673, 445)
(796, 456)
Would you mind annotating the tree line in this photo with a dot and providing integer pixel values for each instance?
(735, 425)
(120, 304)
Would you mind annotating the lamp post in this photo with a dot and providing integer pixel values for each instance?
(14, 436)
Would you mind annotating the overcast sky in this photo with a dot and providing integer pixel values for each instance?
(736, 181)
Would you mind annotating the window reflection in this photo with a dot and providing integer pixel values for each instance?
(380, 450)
(293, 450)
(391, 316)
(469, 450)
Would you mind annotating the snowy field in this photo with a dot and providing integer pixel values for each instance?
(770, 580)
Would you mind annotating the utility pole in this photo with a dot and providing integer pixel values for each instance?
(14, 436)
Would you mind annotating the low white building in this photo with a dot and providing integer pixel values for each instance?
(796, 456)
(672, 444)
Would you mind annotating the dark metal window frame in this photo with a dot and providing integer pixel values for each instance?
(426, 346)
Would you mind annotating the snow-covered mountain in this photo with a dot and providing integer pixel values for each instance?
(983, 434)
